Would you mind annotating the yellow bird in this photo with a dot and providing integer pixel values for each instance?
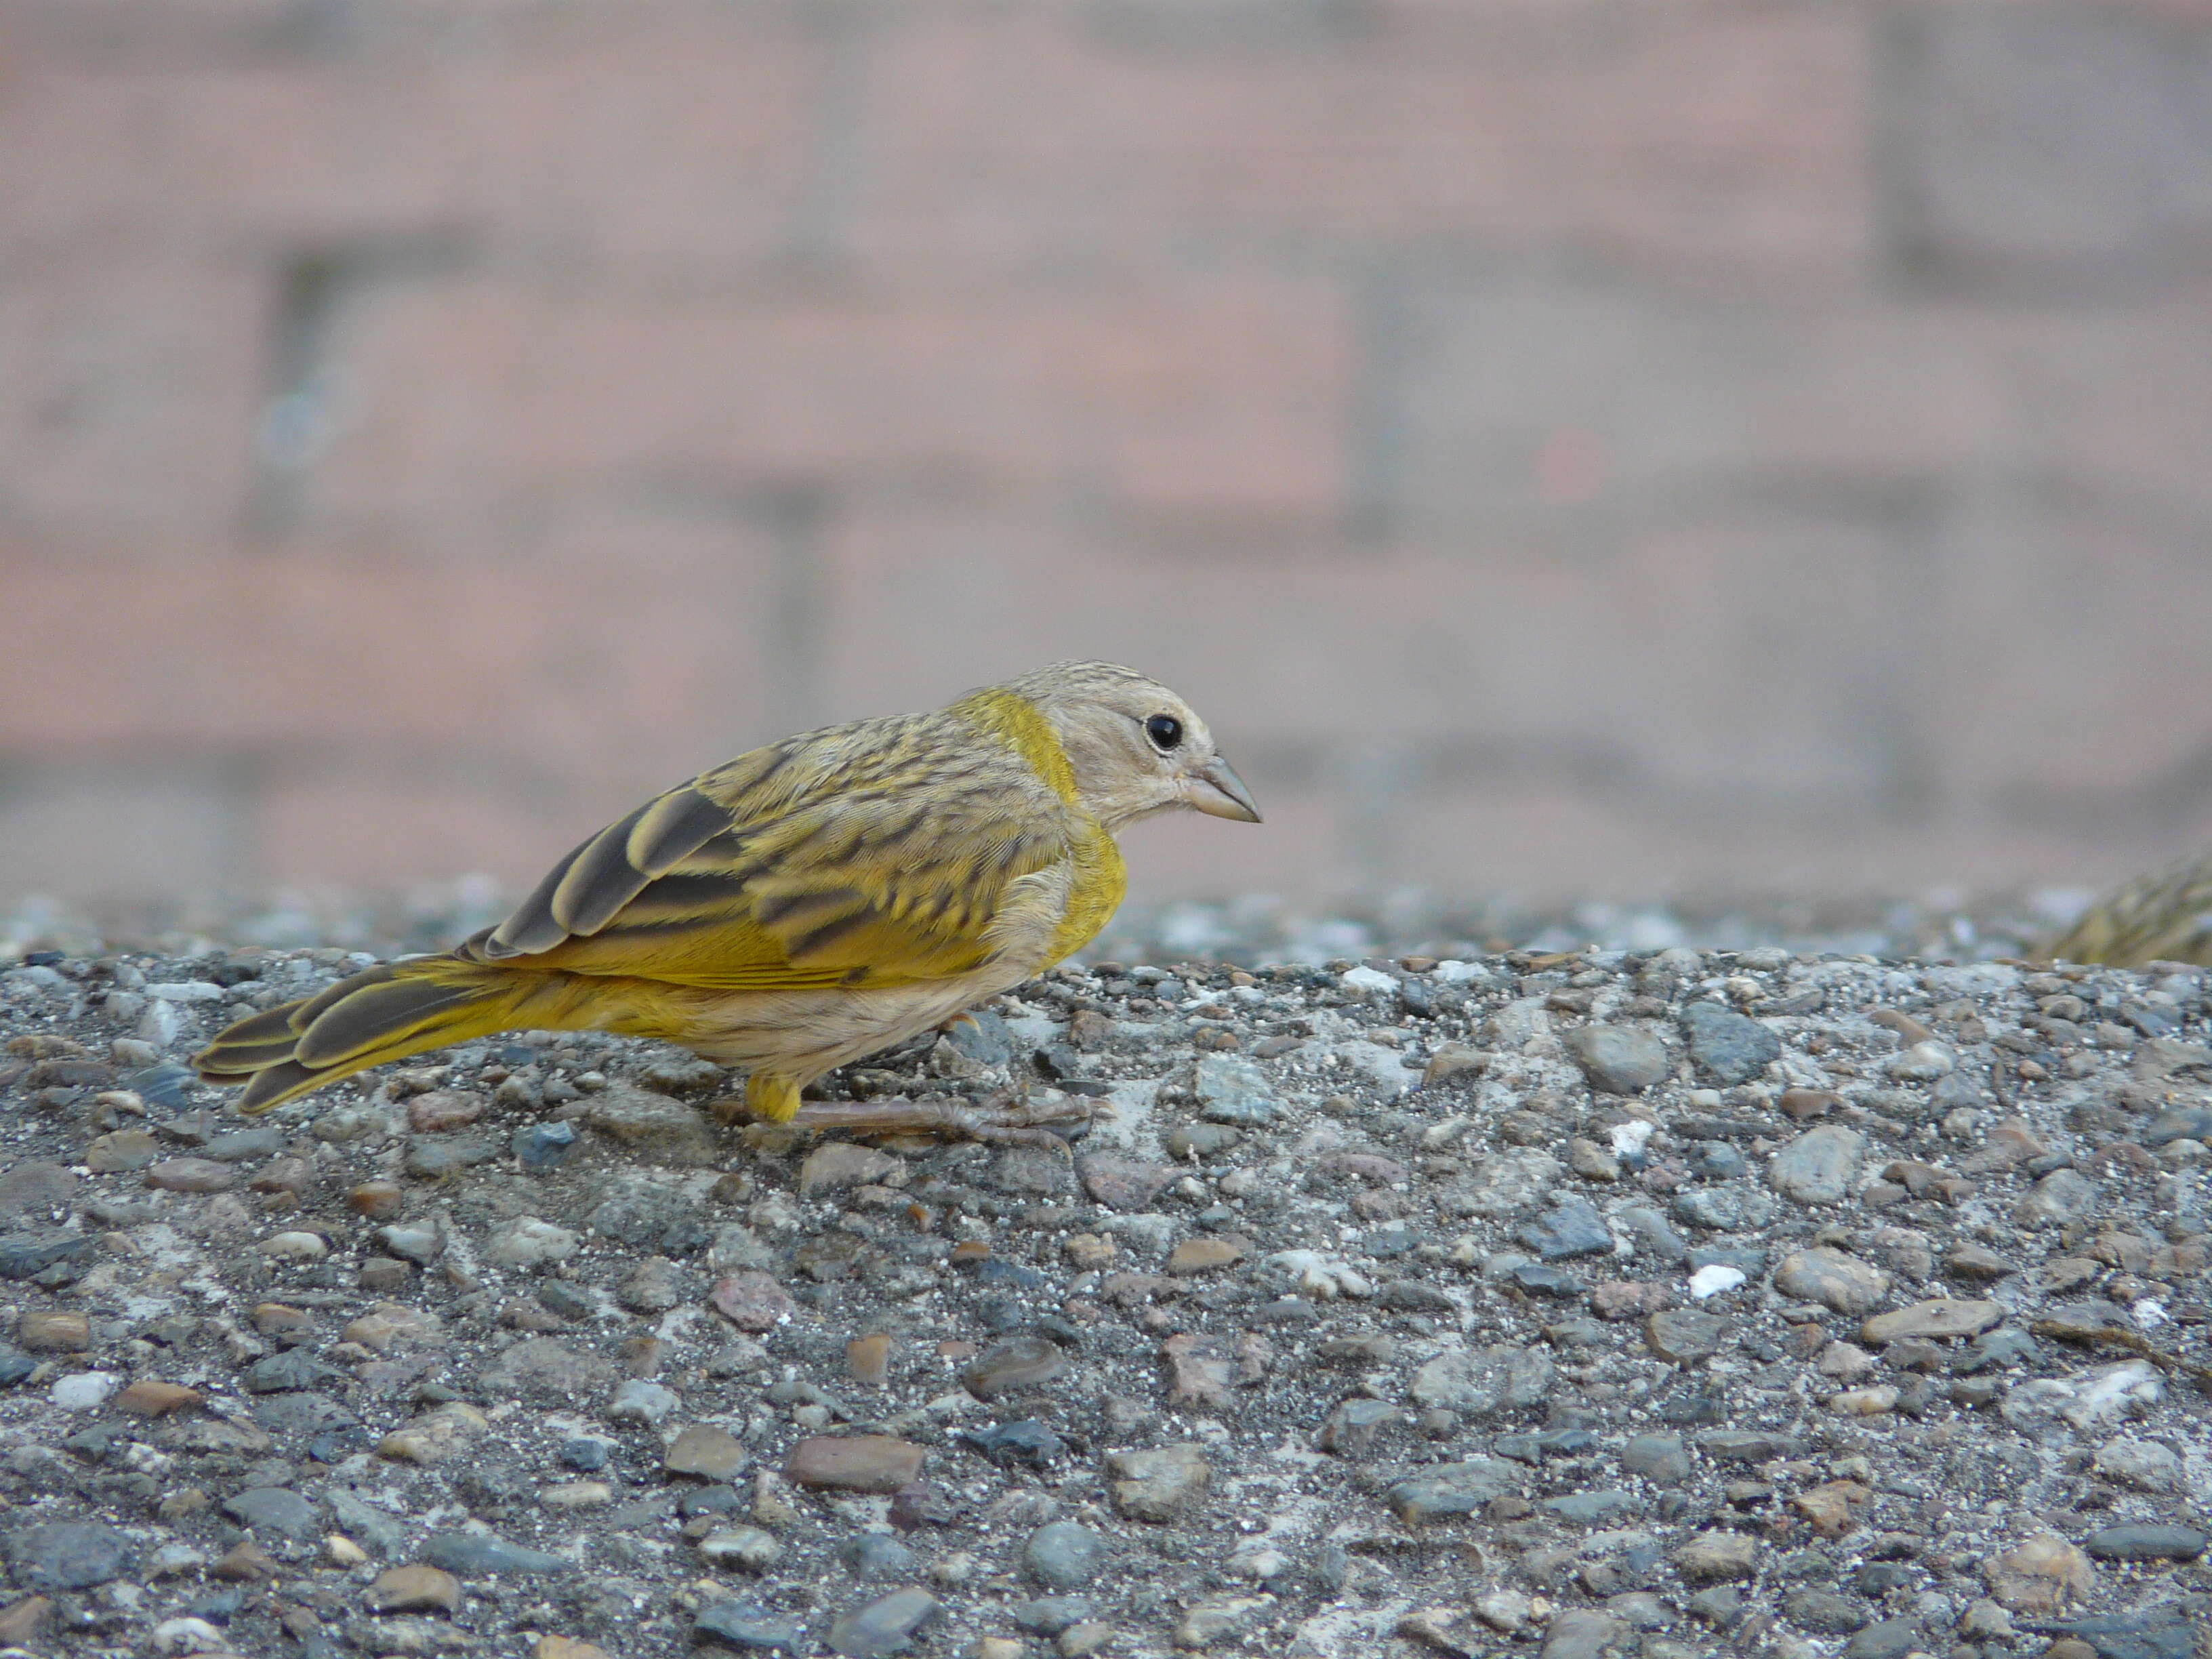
(809, 903)
(2163, 916)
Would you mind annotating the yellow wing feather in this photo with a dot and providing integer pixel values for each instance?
(820, 861)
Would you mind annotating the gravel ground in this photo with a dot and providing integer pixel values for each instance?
(1653, 1302)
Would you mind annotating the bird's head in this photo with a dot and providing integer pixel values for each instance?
(1135, 747)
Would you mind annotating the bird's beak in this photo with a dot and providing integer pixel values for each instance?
(1216, 790)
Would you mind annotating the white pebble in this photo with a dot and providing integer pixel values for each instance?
(84, 1391)
(1367, 981)
(2148, 1314)
(295, 1246)
(186, 990)
(1713, 1279)
(1628, 1139)
(181, 1636)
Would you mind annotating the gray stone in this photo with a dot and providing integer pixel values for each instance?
(35, 1187)
(1728, 1047)
(1444, 1490)
(1572, 1228)
(483, 1554)
(1049, 1615)
(274, 1510)
(1660, 1458)
(1620, 1060)
(2143, 1464)
(883, 1626)
(1218, 1619)
(2167, 1631)
(1585, 1633)
(2145, 1541)
(68, 1555)
(26, 1255)
(1064, 1555)
(1598, 1507)
(2178, 1123)
(1649, 1231)
(1823, 1612)
(2060, 1197)
(1684, 1336)
(1819, 1166)
(748, 1629)
(1890, 1638)
(1234, 1091)
(1477, 1381)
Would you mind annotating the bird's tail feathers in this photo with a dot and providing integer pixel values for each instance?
(387, 1013)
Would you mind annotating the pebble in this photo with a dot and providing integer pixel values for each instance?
(2040, 1575)
(1441, 1491)
(1234, 1091)
(1939, 1318)
(752, 1301)
(1836, 1279)
(1158, 1484)
(68, 1555)
(1572, 1228)
(483, 1554)
(864, 1463)
(748, 1629)
(417, 1588)
(1620, 1060)
(1682, 1337)
(275, 1512)
(1019, 1363)
(2145, 1542)
(1218, 1619)
(1819, 1166)
(708, 1452)
(883, 1626)
(749, 1549)
(1727, 1047)
(1064, 1555)
(1717, 1556)
(524, 1242)
(84, 1391)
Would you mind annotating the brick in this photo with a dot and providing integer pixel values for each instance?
(1223, 398)
(2075, 634)
(1701, 137)
(1532, 402)
(660, 140)
(2050, 141)
(1743, 651)
(133, 387)
(636, 666)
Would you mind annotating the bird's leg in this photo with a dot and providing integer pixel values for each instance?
(1007, 1118)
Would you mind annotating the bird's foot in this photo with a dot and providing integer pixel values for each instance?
(1006, 1119)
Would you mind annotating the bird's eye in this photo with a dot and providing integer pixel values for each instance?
(1165, 731)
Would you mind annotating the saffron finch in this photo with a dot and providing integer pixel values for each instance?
(2163, 916)
(810, 902)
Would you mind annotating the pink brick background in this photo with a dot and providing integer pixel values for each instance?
(1563, 446)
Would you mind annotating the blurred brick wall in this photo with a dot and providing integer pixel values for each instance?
(1596, 444)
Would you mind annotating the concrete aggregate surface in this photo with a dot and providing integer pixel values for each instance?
(1420, 1299)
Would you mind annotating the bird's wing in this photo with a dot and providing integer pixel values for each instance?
(879, 864)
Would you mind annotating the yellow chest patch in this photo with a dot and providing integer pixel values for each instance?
(1101, 879)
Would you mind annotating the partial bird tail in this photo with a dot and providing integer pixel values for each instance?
(387, 1013)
